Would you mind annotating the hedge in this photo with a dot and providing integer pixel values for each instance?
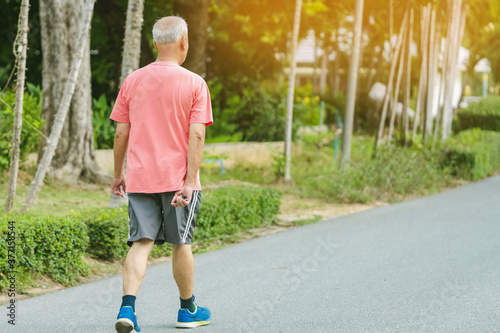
(484, 114)
(472, 154)
(224, 212)
(56, 246)
(47, 245)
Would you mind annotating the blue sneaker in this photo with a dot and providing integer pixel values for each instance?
(127, 321)
(188, 319)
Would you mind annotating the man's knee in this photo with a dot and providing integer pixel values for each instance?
(182, 247)
(144, 243)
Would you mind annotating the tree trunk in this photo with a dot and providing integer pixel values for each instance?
(291, 91)
(132, 41)
(433, 68)
(444, 70)
(336, 68)
(196, 14)
(20, 47)
(395, 100)
(424, 43)
(394, 61)
(74, 157)
(315, 67)
(352, 83)
(450, 68)
(406, 93)
(324, 72)
(459, 27)
(85, 14)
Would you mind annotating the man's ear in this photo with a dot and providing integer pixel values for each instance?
(184, 43)
(156, 46)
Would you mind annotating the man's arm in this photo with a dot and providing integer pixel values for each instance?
(120, 150)
(195, 154)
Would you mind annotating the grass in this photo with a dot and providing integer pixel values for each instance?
(57, 199)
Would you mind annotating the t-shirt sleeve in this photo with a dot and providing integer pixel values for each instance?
(201, 111)
(120, 109)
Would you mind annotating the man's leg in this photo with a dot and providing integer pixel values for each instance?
(183, 269)
(135, 266)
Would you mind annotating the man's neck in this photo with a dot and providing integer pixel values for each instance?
(168, 59)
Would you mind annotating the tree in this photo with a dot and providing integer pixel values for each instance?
(291, 91)
(132, 41)
(64, 105)
(74, 158)
(352, 83)
(196, 14)
(20, 48)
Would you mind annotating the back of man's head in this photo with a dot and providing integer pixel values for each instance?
(169, 29)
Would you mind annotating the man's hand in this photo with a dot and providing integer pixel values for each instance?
(183, 197)
(117, 186)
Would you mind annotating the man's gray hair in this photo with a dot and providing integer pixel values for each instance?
(169, 29)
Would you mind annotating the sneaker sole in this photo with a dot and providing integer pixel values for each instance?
(124, 325)
(192, 324)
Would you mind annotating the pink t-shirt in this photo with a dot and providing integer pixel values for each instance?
(160, 101)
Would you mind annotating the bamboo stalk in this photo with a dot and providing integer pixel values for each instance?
(451, 68)
(444, 69)
(424, 27)
(388, 93)
(291, 91)
(69, 89)
(406, 103)
(434, 36)
(394, 101)
(22, 45)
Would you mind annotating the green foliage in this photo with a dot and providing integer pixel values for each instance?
(259, 116)
(229, 210)
(394, 172)
(104, 127)
(107, 230)
(472, 154)
(31, 113)
(45, 245)
(307, 110)
(484, 114)
(224, 212)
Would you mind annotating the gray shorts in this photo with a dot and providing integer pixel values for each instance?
(152, 216)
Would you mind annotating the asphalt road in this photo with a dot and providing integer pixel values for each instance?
(428, 265)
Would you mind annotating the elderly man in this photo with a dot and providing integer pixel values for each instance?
(161, 112)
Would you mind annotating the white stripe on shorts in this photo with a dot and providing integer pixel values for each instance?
(190, 216)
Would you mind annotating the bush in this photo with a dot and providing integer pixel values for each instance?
(224, 212)
(395, 171)
(484, 114)
(472, 154)
(29, 137)
(47, 245)
(107, 230)
(259, 115)
(104, 127)
(229, 210)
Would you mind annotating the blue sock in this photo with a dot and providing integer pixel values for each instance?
(128, 300)
(188, 304)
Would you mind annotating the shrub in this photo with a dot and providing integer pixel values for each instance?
(395, 171)
(229, 210)
(472, 154)
(484, 114)
(47, 245)
(224, 212)
(107, 230)
(29, 137)
(104, 127)
(259, 116)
